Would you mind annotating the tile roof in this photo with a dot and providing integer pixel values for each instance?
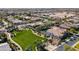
(57, 31)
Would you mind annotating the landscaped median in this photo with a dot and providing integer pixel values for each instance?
(69, 48)
(77, 45)
(27, 39)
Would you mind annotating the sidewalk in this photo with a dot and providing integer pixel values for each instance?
(9, 37)
(37, 34)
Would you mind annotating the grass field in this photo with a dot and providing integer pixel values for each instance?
(77, 46)
(68, 48)
(26, 38)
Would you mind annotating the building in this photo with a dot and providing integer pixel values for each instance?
(56, 31)
(16, 21)
(5, 47)
(76, 25)
(62, 15)
(66, 25)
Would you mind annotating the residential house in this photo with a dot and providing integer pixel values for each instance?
(5, 47)
(16, 21)
(56, 31)
(66, 25)
(52, 44)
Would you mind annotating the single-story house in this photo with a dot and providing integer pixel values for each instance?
(16, 21)
(5, 47)
(56, 31)
(76, 25)
(62, 14)
(66, 25)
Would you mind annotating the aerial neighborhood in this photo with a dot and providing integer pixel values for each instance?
(39, 29)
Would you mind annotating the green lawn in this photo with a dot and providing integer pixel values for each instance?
(69, 48)
(77, 46)
(26, 39)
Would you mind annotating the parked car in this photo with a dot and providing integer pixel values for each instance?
(73, 38)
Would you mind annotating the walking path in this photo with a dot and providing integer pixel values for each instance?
(9, 38)
(37, 34)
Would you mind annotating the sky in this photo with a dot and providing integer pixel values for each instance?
(39, 3)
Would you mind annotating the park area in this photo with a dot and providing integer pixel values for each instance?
(26, 39)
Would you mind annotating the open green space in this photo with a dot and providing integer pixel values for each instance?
(69, 48)
(77, 46)
(27, 39)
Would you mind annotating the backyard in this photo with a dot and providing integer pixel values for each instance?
(27, 39)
